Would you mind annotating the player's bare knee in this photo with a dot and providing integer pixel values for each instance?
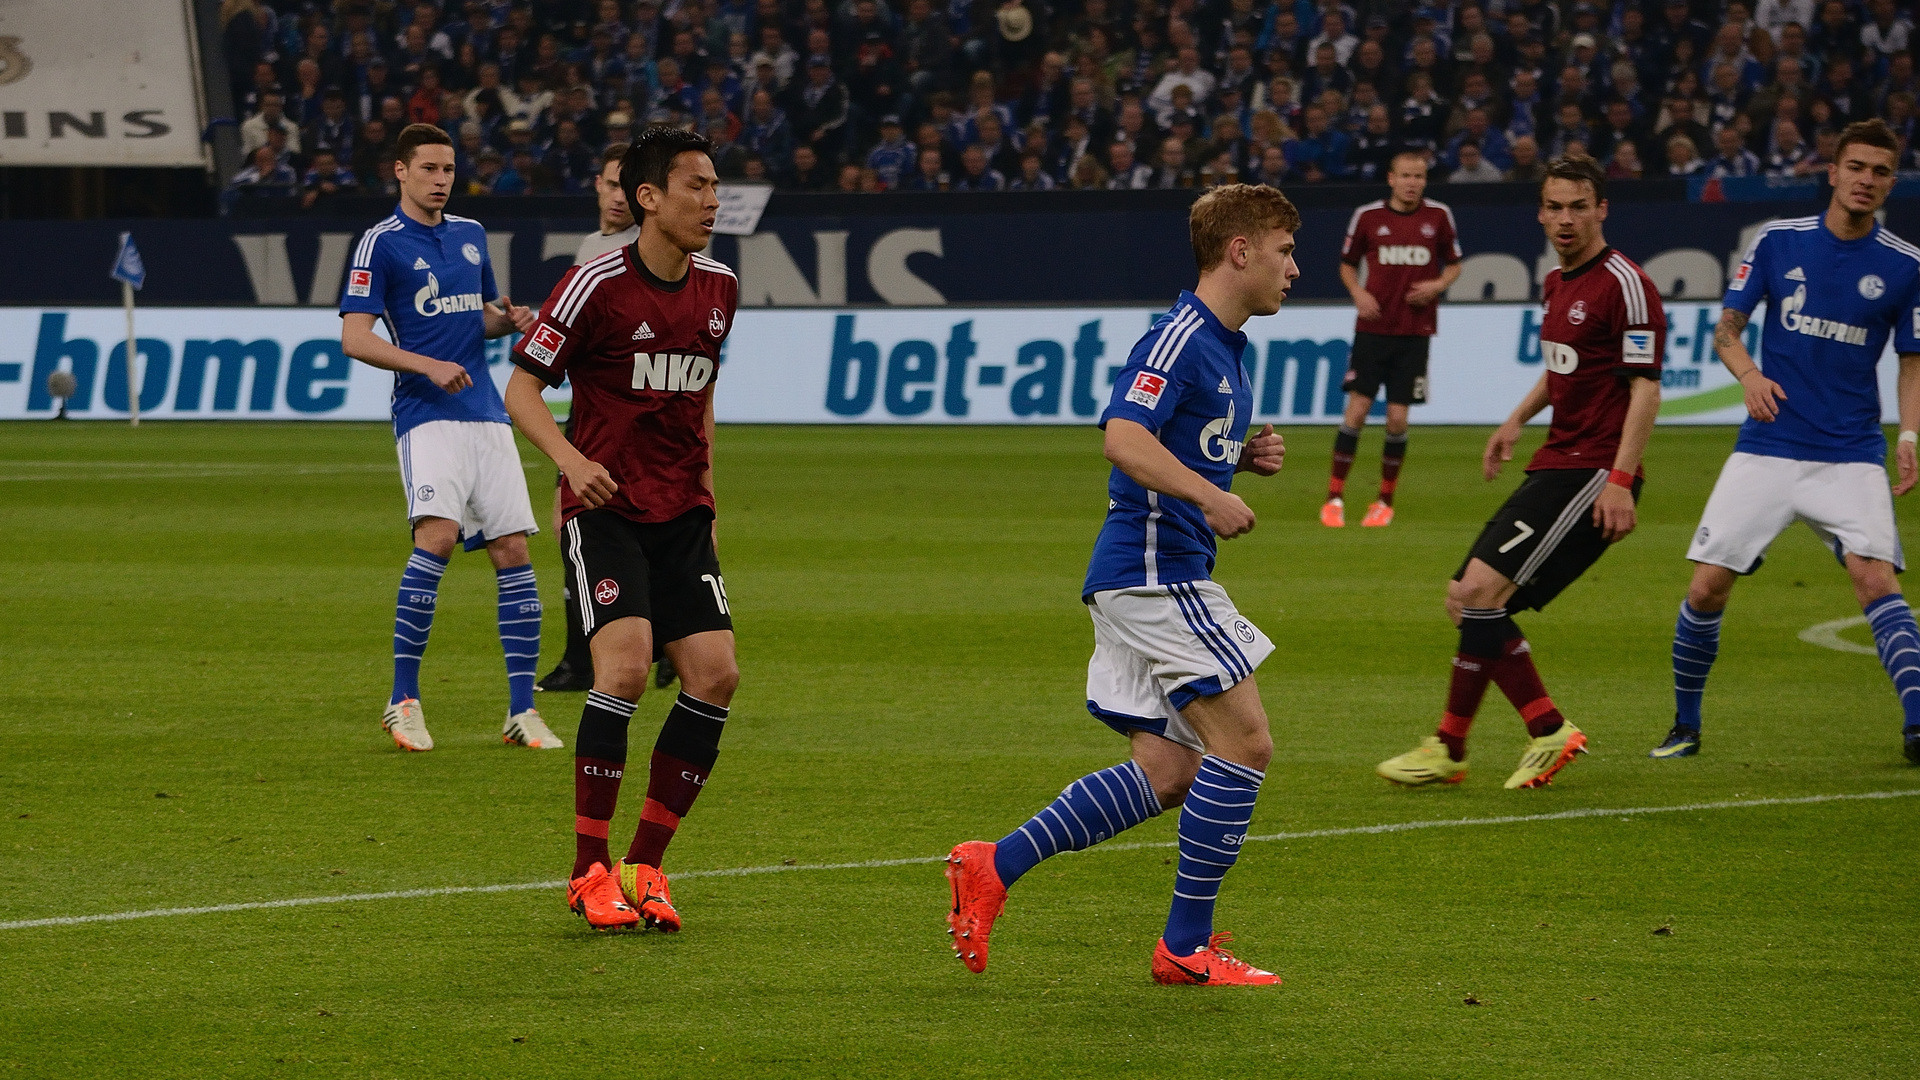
(711, 680)
(436, 535)
(509, 551)
(1872, 579)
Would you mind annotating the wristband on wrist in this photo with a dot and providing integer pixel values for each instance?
(1910, 436)
(1621, 477)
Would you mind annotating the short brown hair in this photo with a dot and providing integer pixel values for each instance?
(1874, 132)
(614, 152)
(414, 136)
(1579, 169)
(1236, 210)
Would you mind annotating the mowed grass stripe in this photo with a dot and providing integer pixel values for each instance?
(921, 860)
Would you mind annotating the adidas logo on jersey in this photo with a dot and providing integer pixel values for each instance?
(420, 264)
(643, 333)
(1796, 274)
(1225, 387)
(1384, 231)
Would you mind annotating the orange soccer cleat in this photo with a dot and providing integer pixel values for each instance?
(978, 899)
(1377, 515)
(1210, 965)
(1334, 514)
(645, 887)
(594, 896)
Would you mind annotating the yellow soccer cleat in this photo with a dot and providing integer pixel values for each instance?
(1427, 763)
(1547, 755)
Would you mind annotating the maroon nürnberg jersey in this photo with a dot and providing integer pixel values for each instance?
(1603, 325)
(1400, 250)
(642, 355)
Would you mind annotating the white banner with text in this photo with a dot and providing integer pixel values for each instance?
(866, 366)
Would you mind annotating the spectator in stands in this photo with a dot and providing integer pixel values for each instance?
(931, 172)
(326, 176)
(271, 117)
(805, 173)
(1173, 170)
(1836, 33)
(1474, 168)
(1683, 157)
(819, 109)
(333, 129)
(1319, 153)
(1187, 72)
(487, 168)
(1733, 158)
(1624, 164)
(1325, 74)
(1788, 151)
(569, 162)
(1126, 173)
(1271, 169)
(766, 131)
(1423, 116)
(1089, 175)
(265, 175)
(1333, 32)
(1527, 166)
(1842, 94)
(977, 173)
(1479, 131)
(1374, 147)
(891, 158)
(1032, 175)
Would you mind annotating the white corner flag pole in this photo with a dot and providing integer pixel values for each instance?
(133, 379)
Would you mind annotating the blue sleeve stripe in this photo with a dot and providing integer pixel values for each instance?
(363, 255)
(1173, 338)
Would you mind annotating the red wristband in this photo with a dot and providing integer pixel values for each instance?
(1621, 477)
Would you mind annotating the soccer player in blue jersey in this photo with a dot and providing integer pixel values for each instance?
(425, 273)
(1173, 660)
(1836, 286)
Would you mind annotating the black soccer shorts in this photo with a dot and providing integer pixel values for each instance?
(1543, 537)
(1397, 360)
(665, 572)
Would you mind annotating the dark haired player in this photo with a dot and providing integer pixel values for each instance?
(1412, 255)
(1173, 660)
(1602, 338)
(1836, 285)
(638, 331)
(426, 274)
(617, 230)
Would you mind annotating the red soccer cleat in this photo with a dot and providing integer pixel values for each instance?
(645, 887)
(595, 896)
(1210, 965)
(978, 899)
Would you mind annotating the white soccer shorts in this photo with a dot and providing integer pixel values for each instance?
(1847, 504)
(466, 471)
(1157, 648)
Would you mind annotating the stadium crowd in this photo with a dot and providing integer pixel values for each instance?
(1021, 95)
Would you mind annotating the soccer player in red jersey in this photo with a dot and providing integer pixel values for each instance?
(1412, 255)
(1602, 338)
(638, 331)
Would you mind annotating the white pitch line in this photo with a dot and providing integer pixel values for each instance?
(1827, 636)
(875, 864)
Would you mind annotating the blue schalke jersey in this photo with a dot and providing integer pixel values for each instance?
(1185, 383)
(1830, 305)
(428, 284)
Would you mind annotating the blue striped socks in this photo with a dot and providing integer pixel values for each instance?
(1696, 642)
(1898, 640)
(1213, 825)
(1096, 807)
(519, 633)
(413, 621)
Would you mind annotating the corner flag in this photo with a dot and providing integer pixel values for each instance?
(131, 272)
(127, 264)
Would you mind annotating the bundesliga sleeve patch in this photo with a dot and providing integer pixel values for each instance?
(544, 344)
(1740, 276)
(1146, 389)
(359, 283)
(1636, 347)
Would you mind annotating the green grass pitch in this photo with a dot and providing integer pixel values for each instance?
(204, 611)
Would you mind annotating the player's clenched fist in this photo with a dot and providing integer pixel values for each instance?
(449, 376)
(592, 482)
(1264, 453)
(1228, 515)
